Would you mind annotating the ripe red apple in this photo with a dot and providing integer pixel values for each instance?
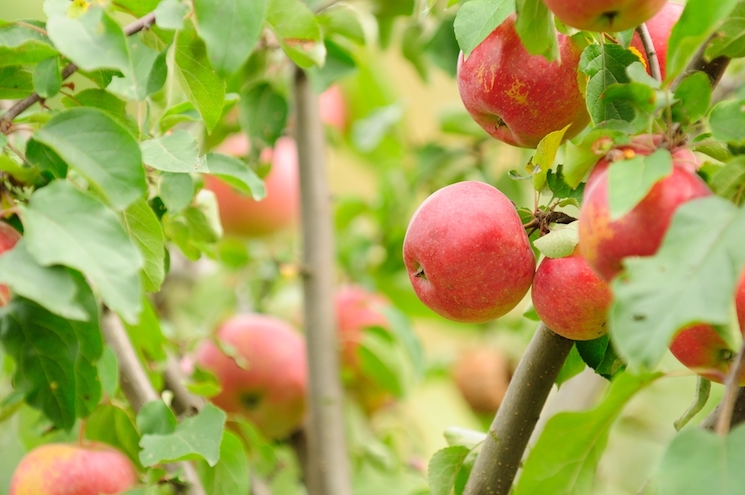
(241, 216)
(8, 238)
(482, 376)
(604, 15)
(263, 375)
(570, 298)
(660, 26)
(605, 242)
(700, 348)
(467, 253)
(517, 97)
(333, 108)
(69, 469)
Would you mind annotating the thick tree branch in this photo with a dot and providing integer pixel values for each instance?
(328, 465)
(714, 68)
(19, 107)
(727, 406)
(500, 456)
(654, 61)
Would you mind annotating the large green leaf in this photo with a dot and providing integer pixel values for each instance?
(444, 468)
(24, 42)
(146, 335)
(145, 230)
(629, 181)
(55, 358)
(535, 26)
(66, 226)
(477, 19)
(141, 60)
(730, 38)
(175, 152)
(231, 473)
(47, 77)
(564, 460)
(15, 82)
(204, 89)
(605, 65)
(230, 29)
(112, 425)
(727, 121)
(297, 30)
(98, 147)
(93, 40)
(263, 114)
(690, 279)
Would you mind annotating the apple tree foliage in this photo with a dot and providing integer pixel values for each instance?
(103, 176)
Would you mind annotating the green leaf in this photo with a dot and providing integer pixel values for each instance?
(103, 100)
(55, 358)
(156, 418)
(690, 279)
(230, 29)
(605, 65)
(146, 335)
(47, 77)
(263, 114)
(464, 437)
(477, 19)
(444, 468)
(442, 47)
(557, 184)
(53, 287)
(137, 8)
(727, 121)
(21, 44)
(93, 40)
(202, 86)
(343, 20)
(573, 366)
(560, 242)
(176, 152)
(544, 157)
(297, 30)
(18, 171)
(600, 355)
(68, 227)
(140, 63)
(175, 190)
(169, 14)
(231, 473)
(98, 147)
(535, 26)
(583, 437)
(15, 83)
(45, 158)
(234, 172)
(729, 181)
(145, 230)
(629, 181)
(108, 372)
(693, 97)
(197, 436)
(730, 38)
(699, 461)
(112, 425)
(339, 63)
(400, 327)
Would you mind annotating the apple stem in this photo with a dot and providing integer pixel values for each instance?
(654, 61)
(502, 451)
(727, 406)
(328, 465)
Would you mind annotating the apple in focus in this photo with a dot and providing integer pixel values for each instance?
(261, 367)
(240, 214)
(519, 98)
(467, 254)
(604, 15)
(70, 469)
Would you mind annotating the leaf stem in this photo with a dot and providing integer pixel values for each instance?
(654, 61)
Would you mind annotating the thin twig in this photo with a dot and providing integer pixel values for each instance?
(732, 383)
(648, 44)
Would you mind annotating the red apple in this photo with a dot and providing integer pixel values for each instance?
(467, 253)
(700, 348)
(517, 97)
(8, 238)
(263, 375)
(241, 216)
(570, 298)
(482, 376)
(605, 242)
(333, 108)
(604, 15)
(68, 469)
(660, 26)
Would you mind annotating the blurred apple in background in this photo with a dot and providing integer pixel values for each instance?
(333, 107)
(261, 367)
(241, 216)
(8, 239)
(70, 469)
(482, 376)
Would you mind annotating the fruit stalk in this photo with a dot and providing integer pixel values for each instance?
(137, 388)
(502, 451)
(726, 407)
(328, 465)
(654, 62)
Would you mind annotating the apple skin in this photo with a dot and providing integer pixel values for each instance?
(68, 469)
(519, 98)
(605, 242)
(604, 15)
(482, 376)
(467, 254)
(270, 383)
(700, 348)
(241, 216)
(660, 26)
(570, 298)
(8, 239)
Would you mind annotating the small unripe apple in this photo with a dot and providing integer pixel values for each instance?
(660, 26)
(482, 376)
(570, 298)
(261, 366)
(517, 97)
(604, 15)
(69, 469)
(240, 214)
(467, 253)
(8, 239)
(605, 242)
